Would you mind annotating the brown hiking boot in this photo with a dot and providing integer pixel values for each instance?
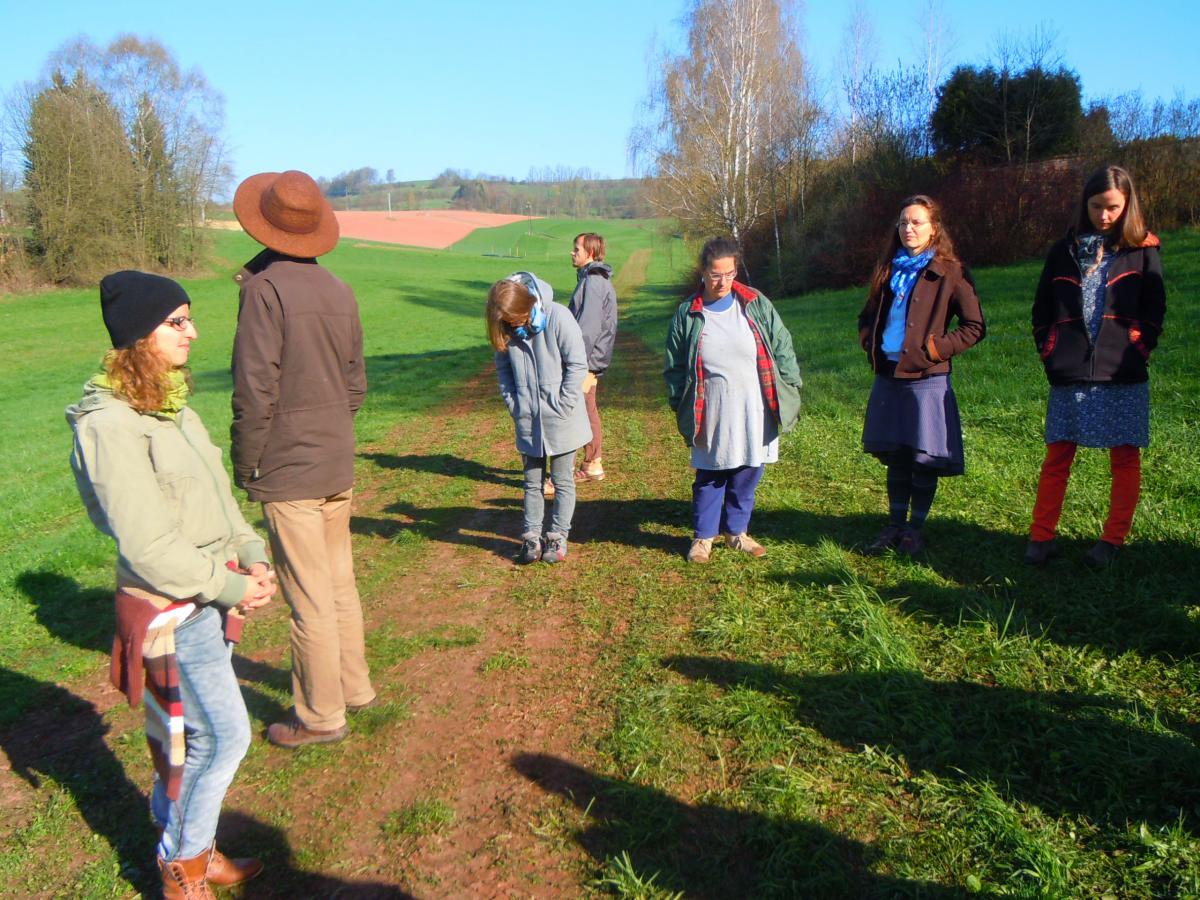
(226, 872)
(291, 735)
(186, 879)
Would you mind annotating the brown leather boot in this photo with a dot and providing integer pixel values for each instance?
(225, 872)
(186, 879)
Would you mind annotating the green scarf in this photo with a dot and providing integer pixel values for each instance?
(177, 393)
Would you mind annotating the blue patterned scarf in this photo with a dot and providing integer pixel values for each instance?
(905, 270)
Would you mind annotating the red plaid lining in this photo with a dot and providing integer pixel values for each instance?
(766, 368)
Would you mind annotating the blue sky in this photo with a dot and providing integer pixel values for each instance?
(500, 87)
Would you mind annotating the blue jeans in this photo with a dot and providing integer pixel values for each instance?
(723, 499)
(562, 473)
(217, 731)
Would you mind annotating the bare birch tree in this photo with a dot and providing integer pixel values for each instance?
(719, 113)
(859, 51)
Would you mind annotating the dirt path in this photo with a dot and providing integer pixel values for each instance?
(533, 682)
(479, 662)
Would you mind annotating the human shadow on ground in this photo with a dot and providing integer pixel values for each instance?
(448, 464)
(61, 740)
(703, 850)
(243, 835)
(1141, 603)
(1065, 753)
(84, 617)
(496, 526)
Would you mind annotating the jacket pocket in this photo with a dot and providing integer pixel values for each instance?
(1048, 345)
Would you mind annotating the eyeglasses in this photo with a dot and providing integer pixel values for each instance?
(721, 276)
(180, 323)
(915, 223)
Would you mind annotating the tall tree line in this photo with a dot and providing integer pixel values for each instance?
(122, 150)
(740, 138)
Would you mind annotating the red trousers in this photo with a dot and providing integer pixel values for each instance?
(1126, 464)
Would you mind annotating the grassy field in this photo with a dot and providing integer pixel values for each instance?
(814, 724)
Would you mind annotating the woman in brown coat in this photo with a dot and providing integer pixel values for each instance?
(912, 424)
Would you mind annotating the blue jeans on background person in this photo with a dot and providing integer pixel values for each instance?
(723, 499)
(562, 473)
(217, 730)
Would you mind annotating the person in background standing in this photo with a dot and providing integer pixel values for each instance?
(734, 384)
(912, 424)
(594, 306)
(1097, 316)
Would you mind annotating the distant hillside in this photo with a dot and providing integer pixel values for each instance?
(575, 195)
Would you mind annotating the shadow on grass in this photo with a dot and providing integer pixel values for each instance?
(246, 836)
(62, 740)
(447, 464)
(704, 850)
(496, 527)
(1062, 752)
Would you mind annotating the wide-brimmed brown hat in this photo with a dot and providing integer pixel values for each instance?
(286, 212)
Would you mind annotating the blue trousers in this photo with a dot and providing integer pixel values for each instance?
(723, 499)
(217, 731)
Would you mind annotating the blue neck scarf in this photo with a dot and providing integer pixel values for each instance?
(905, 270)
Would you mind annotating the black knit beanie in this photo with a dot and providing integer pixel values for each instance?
(135, 303)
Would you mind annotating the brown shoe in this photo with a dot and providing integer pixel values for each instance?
(225, 872)
(746, 544)
(359, 707)
(700, 551)
(911, 543)
(887, 540)
(186, 879)
(293, 734)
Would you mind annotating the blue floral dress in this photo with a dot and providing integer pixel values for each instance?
(1097, 415)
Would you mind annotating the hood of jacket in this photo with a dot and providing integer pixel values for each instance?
(541, 290)
(95, 397)
(602, 269)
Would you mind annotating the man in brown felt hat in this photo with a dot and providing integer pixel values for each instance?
(298, 379)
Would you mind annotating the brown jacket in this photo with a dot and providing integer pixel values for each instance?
(943, 290)
(298, 379)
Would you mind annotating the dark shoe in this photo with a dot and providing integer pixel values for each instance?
(1037, 553)
(226, 872)
(531, 550)
(556, 548)
(359, 707)
(911, 543)
(291, 735)
(1102, 555)
(186, 879)
(886, 541)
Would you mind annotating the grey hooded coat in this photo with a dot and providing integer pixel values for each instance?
(594, 306)
(541, 380)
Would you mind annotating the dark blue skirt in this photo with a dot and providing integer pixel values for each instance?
(914, 419)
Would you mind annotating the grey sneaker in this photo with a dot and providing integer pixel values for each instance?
(700, 551)
(556, 548)
(531, 549)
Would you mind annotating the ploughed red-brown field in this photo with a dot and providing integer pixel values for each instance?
(435, 228)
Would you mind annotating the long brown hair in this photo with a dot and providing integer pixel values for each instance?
(140, 375)
(506, 300)
(1130, 228)
(940, 243)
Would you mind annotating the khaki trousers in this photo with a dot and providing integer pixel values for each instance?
(310, 543)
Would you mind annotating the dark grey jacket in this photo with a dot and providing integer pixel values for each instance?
(298, 379)
(594, 306)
